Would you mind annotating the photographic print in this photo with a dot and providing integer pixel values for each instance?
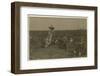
(52, 37)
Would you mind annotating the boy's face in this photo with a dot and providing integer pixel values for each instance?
(51, 29)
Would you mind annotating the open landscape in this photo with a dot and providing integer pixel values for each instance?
(65, 44)
(55, 37)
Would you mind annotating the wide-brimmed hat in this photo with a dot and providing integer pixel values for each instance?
(51, 27)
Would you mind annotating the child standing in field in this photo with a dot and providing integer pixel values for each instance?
(49, 38)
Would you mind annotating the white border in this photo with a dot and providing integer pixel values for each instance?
(54, 63)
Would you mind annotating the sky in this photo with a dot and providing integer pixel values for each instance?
(59, 23)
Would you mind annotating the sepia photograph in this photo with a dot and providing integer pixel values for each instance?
(52, 37)
(55, 37)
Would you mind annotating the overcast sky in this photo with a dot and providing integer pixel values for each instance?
(42, 23)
